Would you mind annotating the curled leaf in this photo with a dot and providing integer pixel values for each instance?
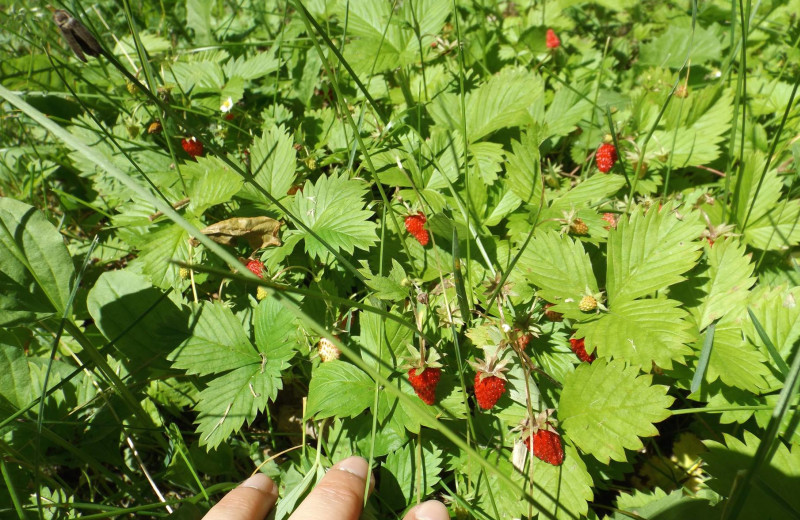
(257, 231)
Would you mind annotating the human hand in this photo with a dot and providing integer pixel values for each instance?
(338, 496)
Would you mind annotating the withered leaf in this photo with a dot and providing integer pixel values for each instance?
(257, 231)
(77, 35)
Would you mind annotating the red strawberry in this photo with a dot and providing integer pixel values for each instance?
(488, 390)
(415, 225)
(552, 40)
(546, 445)
(611, 219)
(256, 267)
(605, 157)
(490, 383)
(424, 382)
(579, 348)
(192, 146)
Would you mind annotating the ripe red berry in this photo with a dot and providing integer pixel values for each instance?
(605, 157)
(546, 445)
(192, 146)
(256, 267)
(579, 348)
(488, 390)
(424, 383)
(551, 40)
(415, 225)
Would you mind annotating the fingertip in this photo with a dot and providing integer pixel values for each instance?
(430, 510)
(262, 483)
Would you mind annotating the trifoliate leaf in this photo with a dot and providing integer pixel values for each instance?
(650, 252)
(334, 209)
(605, 408)
(641, 332)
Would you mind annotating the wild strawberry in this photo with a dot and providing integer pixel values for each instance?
(605, 157)
(552, 315)
(192, 146)
(578, 227)
(546, 446)
(256, 267)
(578, 346)
(327, 350)
(611, 219)
(424, 372)
(551, 40)
(424, 382)
(540, 436)
(415, 225)
(490, 383)
(588, 303)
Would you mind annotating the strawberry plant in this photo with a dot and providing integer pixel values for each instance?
(531, 262)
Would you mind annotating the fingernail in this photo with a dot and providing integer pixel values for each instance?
(431, 510)
(354, 465)
(262, 483)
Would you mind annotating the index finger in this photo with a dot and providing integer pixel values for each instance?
(340, 493)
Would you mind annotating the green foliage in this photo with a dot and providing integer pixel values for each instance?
(606, 407)
(130, 340)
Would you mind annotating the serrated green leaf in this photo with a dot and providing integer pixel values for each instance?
(562, 490)
(333, 208)
(641, 332)
(671, 48)
(210, 182)
(382, 339)
(218, 343)
(589, 191)
(36, 271)
(163, 246)
(568, 108)
(272, 161)
(735, 360)
(605, 408)
(257, 66)
(233, 398)
(275, 330)
(650, 252)
(560, 268)
(501, 102)
(728, 280)
(390, 287)
(778, 311)
(340, 389)
(524, 171)
(778, 479)
(401, 475)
